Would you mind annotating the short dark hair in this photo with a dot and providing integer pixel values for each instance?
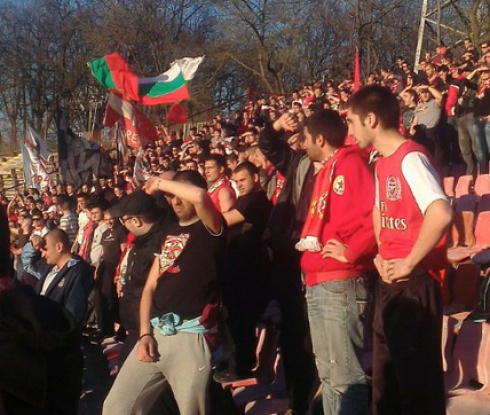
(248, 166)
(59, 236)
(380, 101)
(413, 93)
(217, 158)
(96, 205)
(192, 177)
(330, 125)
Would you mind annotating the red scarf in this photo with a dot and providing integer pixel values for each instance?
(88, 232)
(481, 91)
(315, 220)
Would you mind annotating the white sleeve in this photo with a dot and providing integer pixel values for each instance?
(376, 189)
(423, 180)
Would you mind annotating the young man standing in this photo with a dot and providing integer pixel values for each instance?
(246, 272)
(175, 316)
(410, 218)
(338, 246)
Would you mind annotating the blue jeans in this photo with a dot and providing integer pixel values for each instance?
(336, 311)
(481, 128)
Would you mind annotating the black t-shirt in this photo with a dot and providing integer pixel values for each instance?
(190, 258)
(245, 239)
(111, 242)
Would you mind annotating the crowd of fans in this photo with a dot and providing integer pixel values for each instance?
(445, 107)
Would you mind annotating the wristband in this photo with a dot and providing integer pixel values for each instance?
(146, 334)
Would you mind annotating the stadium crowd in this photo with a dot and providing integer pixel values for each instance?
(276, 204)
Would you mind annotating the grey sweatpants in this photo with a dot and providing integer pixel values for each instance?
(184, 362)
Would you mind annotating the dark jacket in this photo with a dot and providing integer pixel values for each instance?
(288, 215)
(40, 356)
(139, 262)
(70, 287)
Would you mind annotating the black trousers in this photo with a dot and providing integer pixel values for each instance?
(407, 360)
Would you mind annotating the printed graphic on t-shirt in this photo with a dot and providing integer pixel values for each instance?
(171, 249)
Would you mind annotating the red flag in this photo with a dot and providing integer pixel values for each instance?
(138, 130)
(357, 71)
(177, 114)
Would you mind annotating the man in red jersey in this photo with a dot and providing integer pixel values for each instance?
(410, 217)
(219, 187)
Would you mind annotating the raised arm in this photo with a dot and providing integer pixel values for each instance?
(205, 209)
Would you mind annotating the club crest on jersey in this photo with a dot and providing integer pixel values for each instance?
(171, 249)
(393, 189)
(339, 185)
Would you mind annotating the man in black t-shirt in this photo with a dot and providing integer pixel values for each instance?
(113, 242)
(177, 313)
(246, 282)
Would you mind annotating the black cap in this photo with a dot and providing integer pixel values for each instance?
(134, 204)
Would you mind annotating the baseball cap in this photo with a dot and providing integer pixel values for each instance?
(51, 209)
(134, 204)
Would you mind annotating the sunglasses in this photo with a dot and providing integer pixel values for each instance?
(124, 220)
(34, 219)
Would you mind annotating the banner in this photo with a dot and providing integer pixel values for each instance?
(35, 158)
(80, 160)
(142, 170)
(138, 130)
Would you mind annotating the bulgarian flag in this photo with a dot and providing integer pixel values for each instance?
(114, 73)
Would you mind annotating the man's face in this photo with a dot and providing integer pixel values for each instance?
(407, 99)
(82, 203)
(85, 188)
(69, 189)
(97, 214)
(191, 165)
(249, 138)
(50, 250)
(429, 71)
(245, 182)
(231, 164)
(358, 129)
(212, 171)
(37, 221)
(110, 222)
(425, 96)
(183, 209)
(485, 75)
(311, 146)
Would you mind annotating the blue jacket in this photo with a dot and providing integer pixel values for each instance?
(70, 287)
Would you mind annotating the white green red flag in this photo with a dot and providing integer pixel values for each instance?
(113, 72)
(188, 66)
(137, 129)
